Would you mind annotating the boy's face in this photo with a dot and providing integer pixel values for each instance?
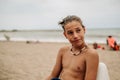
(74, 32)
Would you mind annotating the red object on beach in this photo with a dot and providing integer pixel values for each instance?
(99, 46)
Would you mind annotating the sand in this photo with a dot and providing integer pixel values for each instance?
(34, 61)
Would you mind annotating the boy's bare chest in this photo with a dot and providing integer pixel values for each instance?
(74, 63)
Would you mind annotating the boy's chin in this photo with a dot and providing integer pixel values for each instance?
(77, 44)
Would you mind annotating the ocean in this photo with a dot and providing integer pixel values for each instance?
(91, 35)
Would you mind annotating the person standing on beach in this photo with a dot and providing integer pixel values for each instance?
(78, 61)
(111, 42)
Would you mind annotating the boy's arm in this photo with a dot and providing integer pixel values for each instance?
(92, 62)
(57, 67)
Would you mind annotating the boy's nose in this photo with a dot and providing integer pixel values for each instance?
(75, 35)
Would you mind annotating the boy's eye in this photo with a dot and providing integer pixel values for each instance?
(69, 32)
(78, 30)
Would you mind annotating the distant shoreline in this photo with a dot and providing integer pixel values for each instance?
(56, 35)
(45, 42)
(15, 30)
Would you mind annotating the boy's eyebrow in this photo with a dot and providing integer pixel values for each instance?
(68, 30)
(77, 27)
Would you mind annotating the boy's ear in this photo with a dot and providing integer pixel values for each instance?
(84, 30)
(64, 34)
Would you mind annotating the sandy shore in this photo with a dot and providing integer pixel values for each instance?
(34, 61)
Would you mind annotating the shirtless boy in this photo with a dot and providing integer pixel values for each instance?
(78, 61)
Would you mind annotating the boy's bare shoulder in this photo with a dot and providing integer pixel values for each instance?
(92, 53)
(64, 49)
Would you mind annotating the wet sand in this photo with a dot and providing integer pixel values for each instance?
(34, 61)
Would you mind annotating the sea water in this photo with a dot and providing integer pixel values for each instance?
(91, 35)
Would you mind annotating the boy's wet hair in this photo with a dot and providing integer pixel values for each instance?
(70, 19)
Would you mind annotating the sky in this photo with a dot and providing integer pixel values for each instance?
(45, 14)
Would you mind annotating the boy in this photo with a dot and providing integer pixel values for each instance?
(78, 61)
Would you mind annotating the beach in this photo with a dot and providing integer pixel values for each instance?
(34, 60)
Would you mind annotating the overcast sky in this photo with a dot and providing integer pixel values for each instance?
(45, 14)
